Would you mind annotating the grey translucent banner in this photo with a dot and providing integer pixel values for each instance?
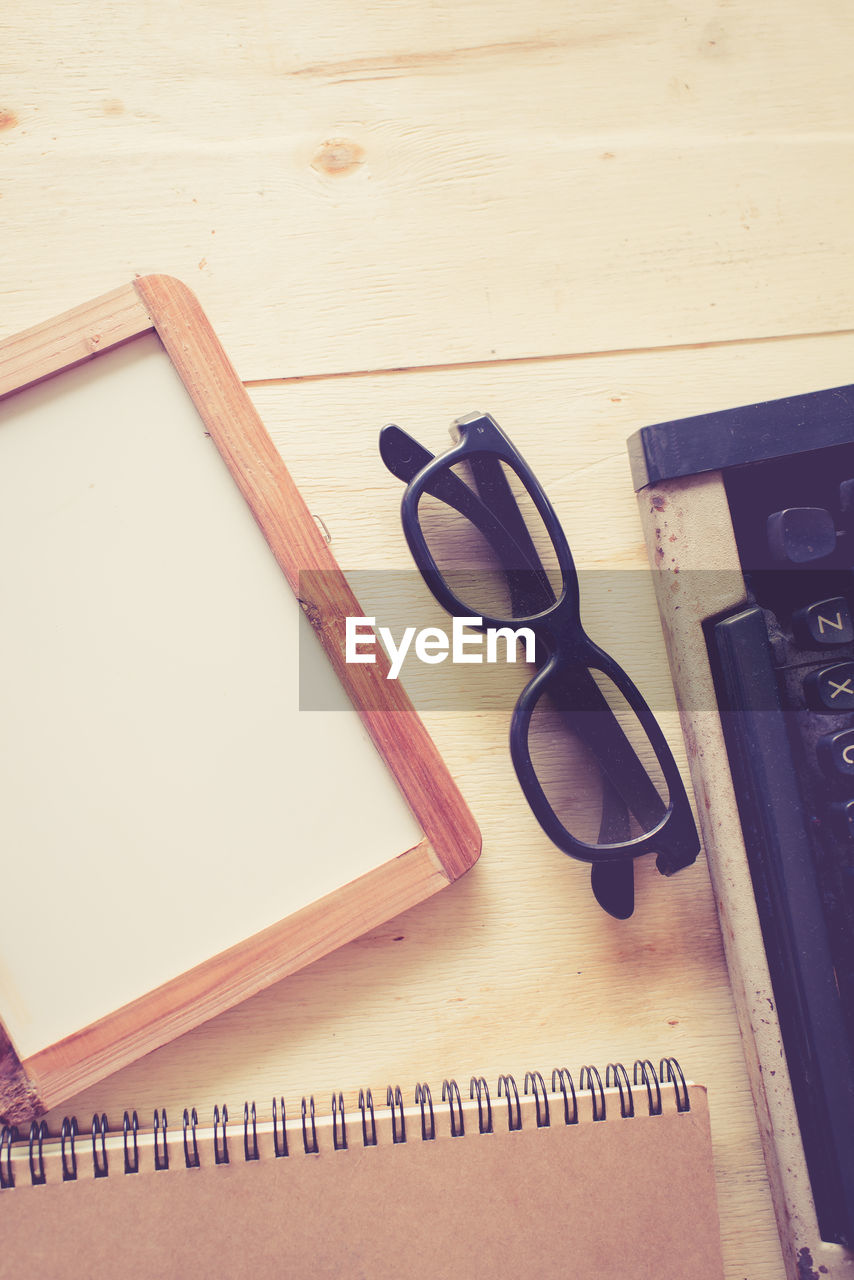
(393, 624)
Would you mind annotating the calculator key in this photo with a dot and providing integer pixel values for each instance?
(799, 534)
(828, 622)
(846, 495)
(836, 754)
(843, 820)
(831, 689)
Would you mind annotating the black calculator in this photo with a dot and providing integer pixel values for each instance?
(781, 664)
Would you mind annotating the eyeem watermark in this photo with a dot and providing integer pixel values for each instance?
(432, 645)
(618, 608)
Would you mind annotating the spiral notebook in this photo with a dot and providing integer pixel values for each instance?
(589, 1177)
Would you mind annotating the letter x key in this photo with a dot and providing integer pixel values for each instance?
(831, 689)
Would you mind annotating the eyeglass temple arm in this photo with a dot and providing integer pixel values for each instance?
(495, 493)
(533, 592)
(613, 882)
(405, 457)
(576, 693)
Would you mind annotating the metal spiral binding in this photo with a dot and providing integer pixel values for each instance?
(423, 1097)
(591, 1079)
(160, 1161)
(338, 1142)
(561, 1077)
(249, 1114)
(674, 1074)
(311, 1149)
(38, 1133)
(8, 1135)
(538, 1086)
(66, 1138)
(394, 1101)
(616, 1077)
(479, 1086)
(615, 1072)
(191, 1119)
(100, 1129)
(280, 1150)
(220, 1155)
(507, 1083)
(646, 1071)
(366, 1104)
(451, 1095)
(132, 1127)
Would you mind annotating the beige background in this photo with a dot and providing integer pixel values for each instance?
(582, 220)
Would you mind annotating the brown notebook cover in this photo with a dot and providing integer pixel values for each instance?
(610, 1183)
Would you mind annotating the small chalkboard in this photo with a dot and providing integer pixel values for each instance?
(177, 834)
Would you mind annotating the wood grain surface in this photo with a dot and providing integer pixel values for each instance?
(581, 220)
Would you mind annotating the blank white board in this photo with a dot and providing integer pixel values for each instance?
(161, 795)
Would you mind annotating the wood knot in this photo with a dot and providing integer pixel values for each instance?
(314, 615)
(337, 156)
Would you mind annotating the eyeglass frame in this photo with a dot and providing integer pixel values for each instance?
(559, 629)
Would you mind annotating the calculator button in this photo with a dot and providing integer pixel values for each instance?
(843, 819)
(828, 622)
(799, 534)
(846, 495)
(836, 754)
(831, 689)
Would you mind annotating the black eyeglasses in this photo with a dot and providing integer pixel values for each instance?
(583, 741)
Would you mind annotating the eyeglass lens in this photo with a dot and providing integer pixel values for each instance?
(488, 540)
(589, 750)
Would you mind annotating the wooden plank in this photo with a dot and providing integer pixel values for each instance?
(569, 418)
(394, 193)
(70, 339)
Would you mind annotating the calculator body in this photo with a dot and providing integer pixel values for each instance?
(749, 520)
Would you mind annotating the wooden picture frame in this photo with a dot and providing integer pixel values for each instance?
(31, 1083)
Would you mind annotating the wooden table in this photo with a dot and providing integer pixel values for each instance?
(580, 221)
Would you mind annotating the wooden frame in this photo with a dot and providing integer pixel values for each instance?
(451, 841)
